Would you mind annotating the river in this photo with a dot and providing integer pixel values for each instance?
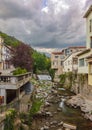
(61, 113)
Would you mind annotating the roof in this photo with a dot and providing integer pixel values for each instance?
(72, 54)
(90, 56)
(88, 12)
(74, 47)
(57, 53)
(83, 52)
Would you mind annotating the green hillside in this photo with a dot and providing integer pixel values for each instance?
(9, 40)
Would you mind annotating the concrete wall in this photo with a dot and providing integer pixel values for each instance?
(88, 33)
(83, 88)
(90, 79)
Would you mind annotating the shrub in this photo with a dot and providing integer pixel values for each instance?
(36, 105)
(19, 71)
(9, 121)
(62, 78)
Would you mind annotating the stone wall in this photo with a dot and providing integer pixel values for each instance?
(82, 87)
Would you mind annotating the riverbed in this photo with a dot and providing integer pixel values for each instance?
(58, 113)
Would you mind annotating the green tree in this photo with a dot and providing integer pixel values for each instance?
(52, 73)
(41, 62)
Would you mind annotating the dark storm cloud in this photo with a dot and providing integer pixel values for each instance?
(15, 9)
(62, 25)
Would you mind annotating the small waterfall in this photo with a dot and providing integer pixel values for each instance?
(61, 105)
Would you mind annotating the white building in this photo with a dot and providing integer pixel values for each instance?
(82, 57)
(5, 56)
(72, 49)
(70, 63)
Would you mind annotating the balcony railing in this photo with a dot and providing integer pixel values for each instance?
(15, 80)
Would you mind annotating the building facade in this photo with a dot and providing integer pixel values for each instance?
(82, 57)
(70, 63)
(69, 50)
(57, 62)
(89, 59)
(88, 16)
(5, 56)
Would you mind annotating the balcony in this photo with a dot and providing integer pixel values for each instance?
(14, 82)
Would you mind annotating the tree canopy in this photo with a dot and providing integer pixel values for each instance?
(22, 56)
(41, 62)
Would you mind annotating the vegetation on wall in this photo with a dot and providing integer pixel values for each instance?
(9, 121)
(67, 79)
(71, 79)
(82, 79)
(62, 78)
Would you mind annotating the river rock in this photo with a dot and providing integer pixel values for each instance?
(84, 104)
(47, 104)
(49, 114)
(58, 109)
(44, 128)
(54, 123)
(60, 123)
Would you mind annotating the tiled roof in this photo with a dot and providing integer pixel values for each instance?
(77, 47)
(57, 53)
(83, 52)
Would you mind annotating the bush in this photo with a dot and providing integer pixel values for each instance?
(19, 71)
(62, 78)
(36, 105)
(9, 121)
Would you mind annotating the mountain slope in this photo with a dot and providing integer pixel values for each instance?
(9, 40)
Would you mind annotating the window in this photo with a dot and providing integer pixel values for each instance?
(91, 42)
(62, 56)
(68, 62)
(56, 56)
(55, 63)
(75, 61)
(86, 63)
(90, 25)
(90, 68)
(81, 62)
(61, 63)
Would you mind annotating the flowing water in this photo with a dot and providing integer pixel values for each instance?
(61, 112)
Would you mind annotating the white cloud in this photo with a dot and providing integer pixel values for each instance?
(45, 9)
(58, 24)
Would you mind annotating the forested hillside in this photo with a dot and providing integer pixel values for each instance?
(9, 40)
(39, 61)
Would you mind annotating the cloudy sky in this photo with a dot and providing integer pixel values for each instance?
(45, 23)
